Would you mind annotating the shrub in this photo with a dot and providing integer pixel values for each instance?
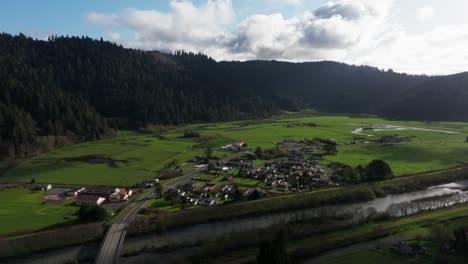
(91, 213)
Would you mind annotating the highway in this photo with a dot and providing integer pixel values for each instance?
(111, 246)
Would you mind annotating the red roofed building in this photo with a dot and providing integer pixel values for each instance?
(238, 144)
(120, 196)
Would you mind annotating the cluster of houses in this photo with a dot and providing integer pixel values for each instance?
(99, 194)
(293, 173)
(91, 195)
(206, 194)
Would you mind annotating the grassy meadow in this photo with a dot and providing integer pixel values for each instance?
(22, 209)
(139, 156)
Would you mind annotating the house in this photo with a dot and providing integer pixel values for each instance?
(44, 187)
(239, 163)
(238, 144)
(229, 178)
(207, 188)
(207, 202)
(282, 186)
(228, 189)
(222, 169)
(102, 191)
(89, 200)
(74, 191)
(149, 183)
(121, 196)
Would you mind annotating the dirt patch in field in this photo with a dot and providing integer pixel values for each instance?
(97, 160)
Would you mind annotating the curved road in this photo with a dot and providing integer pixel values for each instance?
(109, 252)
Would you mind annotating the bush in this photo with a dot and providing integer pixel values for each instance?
(378, 170)
(91, 213)
(191, 133)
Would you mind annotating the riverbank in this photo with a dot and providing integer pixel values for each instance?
(249, 217)
(154, 220)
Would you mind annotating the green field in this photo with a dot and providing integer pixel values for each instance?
(139, 156)
(144, 156)
(163, 205)
(404, 159)
(22, 209)
(368, 257)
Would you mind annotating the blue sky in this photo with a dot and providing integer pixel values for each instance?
(46, 17)
(417, 36)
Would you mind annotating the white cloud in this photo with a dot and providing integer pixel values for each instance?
(114, 36)
(102, 19)
(352, 31)
(425, 13)
(294, 2)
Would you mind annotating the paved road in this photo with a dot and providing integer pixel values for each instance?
(109, 252)
(363, 246)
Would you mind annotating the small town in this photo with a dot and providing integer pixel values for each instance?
(233, 132)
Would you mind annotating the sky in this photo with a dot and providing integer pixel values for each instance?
(416, 36)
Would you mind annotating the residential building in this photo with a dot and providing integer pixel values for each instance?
(89, 200)
(121, 196)
(44, 187)
(75, 191)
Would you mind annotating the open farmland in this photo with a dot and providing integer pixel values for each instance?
(22, 209)
(126, 159)
(129, 157)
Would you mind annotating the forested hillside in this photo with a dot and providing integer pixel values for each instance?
(71, 89)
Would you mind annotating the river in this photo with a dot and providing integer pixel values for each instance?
(395, 205)
(383, 127)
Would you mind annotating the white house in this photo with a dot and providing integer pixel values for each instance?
(44, 187)
(89, 200)
(75, 191)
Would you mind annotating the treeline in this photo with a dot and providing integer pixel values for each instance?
(75, 88)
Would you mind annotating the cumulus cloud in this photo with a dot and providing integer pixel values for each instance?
(185, 26)
(102, 19)
(425, 13)
(352, 31)
(294, 2)
(114, 36)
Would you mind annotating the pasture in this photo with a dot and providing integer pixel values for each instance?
(22, 209)
(125, 160)
(432, 151)
(129, 157)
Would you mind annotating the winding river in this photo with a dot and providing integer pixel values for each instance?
(395, 205)
(383, 127)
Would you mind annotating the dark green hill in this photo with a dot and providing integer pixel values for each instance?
(70, 89)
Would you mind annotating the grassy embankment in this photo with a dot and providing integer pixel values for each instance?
(310, 246)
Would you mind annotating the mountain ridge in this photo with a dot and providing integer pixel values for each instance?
(77, 87)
